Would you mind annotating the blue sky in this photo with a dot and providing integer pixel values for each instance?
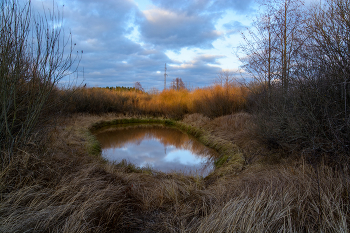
(128, 41)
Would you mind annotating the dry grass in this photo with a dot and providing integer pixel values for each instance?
(238, 128)
(63, 189)
(219, 100)
(281, 199)
(211, 101)
(171, 103)
(102, 100)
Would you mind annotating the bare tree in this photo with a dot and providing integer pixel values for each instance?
(177, 84)
(260, 47)
(33, 59)
(325, 84)
(138, 86)
(225, 79)
(272, 45)
(309, 53)
(290, 31)
(330, 31)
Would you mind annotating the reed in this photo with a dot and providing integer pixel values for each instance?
(211, 101)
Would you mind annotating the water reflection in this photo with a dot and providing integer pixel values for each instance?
(159, 147)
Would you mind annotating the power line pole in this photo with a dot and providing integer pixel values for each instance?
(165, 74)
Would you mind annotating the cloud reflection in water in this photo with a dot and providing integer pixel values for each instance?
(159, 147)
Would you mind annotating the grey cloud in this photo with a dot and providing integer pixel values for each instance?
(183, 6)
(141, 68)
(204, 59)
(197, 73)
(101, 29)
(177, 24)
(174, 30)
(208, 6)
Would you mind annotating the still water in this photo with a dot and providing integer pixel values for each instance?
(161, 148)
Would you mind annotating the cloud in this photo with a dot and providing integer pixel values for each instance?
(173, 30)
(101, 30)
(207, 6)
(237, 6)
(173, 25)
(197, 72)
(190, 7)
(233, 27)
(123, 45)
(205, 59)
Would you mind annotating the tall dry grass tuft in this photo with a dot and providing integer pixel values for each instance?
(89, 200)
(239, 128)
(63, 189)
(219, 100)
(102, 100)
(280, 199)
(171, 103)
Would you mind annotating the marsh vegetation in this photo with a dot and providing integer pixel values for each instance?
(283, 144)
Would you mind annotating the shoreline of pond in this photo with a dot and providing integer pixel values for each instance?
(230, 158)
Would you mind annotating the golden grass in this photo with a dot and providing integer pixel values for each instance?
(218, 100)
(64, 189)
(211, 101)
(280, 199)
(169, 102)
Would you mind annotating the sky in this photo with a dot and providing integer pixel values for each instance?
(128, 41)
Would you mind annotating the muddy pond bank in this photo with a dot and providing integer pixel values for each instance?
(157, 147)
(229, 159)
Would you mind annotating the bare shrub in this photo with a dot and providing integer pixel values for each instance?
(33, 60)
(309, 116)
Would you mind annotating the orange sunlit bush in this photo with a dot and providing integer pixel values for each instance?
(171, 103)
(102, 100)
(218, 100)
(210, 101)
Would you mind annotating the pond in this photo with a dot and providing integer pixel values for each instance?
(158, 147)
